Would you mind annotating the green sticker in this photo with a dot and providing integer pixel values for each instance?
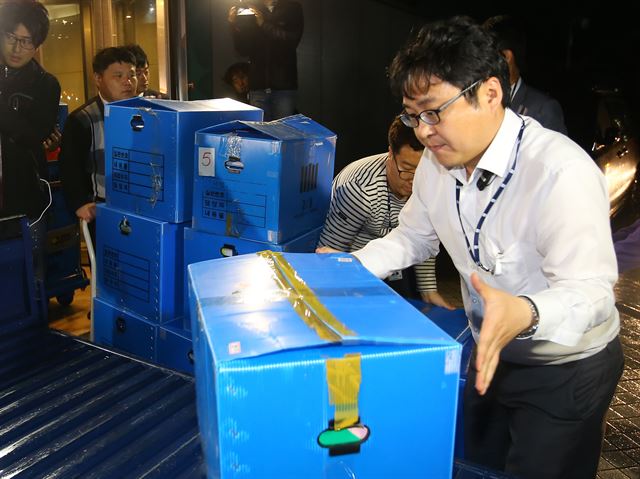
(330, 438)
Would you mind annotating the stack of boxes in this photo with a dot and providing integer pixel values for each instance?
(256, 186)
(149, 161)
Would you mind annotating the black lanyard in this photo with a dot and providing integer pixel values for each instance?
(475, 251)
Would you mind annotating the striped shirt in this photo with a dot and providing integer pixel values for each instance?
(363, 209)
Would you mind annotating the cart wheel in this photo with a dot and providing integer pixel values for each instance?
(65, 299)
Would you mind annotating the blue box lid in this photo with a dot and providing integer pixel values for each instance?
(218, 104)
(296, 127)
(267, 302)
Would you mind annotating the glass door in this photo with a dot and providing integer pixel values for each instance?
(79, 29)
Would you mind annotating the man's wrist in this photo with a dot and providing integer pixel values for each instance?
(535, 320)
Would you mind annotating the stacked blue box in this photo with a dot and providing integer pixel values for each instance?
(140, 265)
(308, 365)
(63, 113)
(17, 281)
(149, 151)
(174, 346)
(456, 325)
(266, 182)
(124, 330)
(202, 246)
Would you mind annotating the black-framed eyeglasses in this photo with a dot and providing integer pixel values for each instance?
(432, 117)
(403, 174)
(25, 43)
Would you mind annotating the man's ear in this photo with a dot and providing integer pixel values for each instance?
(492, 92)
(508, 55)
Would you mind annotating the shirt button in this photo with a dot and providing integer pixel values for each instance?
(474, 300)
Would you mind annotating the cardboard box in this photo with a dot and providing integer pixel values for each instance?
(309, 366)
(267, 182)
(149, 151)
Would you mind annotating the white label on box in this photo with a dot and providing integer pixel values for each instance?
(234, 348)
(206, 161)
(452, 362)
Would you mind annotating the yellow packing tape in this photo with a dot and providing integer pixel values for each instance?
(343, 378)
(304, 300)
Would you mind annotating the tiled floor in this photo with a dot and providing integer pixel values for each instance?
(620, 457)
(621, 449)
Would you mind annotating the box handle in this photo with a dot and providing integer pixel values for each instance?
(121, 325)
(124, 226)
(234, 165)
(228, 250)
(137, 123)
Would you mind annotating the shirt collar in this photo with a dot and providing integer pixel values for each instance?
(105, 102)
(498, 156)
(515, 87)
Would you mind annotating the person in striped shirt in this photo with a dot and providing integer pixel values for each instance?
(366, 198)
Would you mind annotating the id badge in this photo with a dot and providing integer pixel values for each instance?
(395, 276)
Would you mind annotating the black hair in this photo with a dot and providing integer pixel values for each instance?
(509, 34)
(33, 15)
(401, 135)
(237, 68)
(141, 57)
(457, 51)
(110, 55)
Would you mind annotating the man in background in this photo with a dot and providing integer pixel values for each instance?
(237, 77)
(525, 100)
(142, 73)
(82, 165)
(366, 198)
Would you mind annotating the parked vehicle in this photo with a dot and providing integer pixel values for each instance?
(616, 151)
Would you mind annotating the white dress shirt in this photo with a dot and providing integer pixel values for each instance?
(547, 237)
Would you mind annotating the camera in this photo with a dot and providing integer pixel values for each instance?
(244, 8)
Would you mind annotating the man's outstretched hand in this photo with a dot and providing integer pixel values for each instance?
(505, 316)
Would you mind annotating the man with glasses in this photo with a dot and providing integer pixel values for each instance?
(523, 212)
(367, 197)
(29, 98)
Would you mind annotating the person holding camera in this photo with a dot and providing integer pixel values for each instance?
(268, 33)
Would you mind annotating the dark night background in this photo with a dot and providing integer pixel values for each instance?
(347, 45)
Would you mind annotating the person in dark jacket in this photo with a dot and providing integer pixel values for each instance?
(526, 100)
(29, 98)
(268, 33)
(82, 147)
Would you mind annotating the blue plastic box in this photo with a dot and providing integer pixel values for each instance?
(149, 151)
(175, 349)
(292, 347)
(266, 182)
(139, 263)
(456, 325)
(201, 246)
(123, 330)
